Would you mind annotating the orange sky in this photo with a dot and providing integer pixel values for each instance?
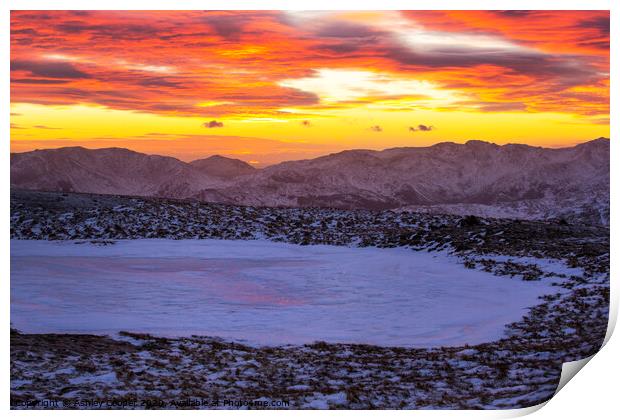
(268, 86)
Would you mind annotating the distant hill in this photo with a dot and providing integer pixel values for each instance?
(223, 167)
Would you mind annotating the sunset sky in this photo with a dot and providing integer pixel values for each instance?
(269, 86)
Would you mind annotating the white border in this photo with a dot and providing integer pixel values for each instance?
(593, 394)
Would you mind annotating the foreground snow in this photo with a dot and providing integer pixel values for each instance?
(262, 292)
(521, 369)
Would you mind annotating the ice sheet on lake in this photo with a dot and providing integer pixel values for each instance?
(262, 292)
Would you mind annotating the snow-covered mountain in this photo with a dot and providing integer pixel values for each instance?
(473, 178)
(223, 167)
(106, 171)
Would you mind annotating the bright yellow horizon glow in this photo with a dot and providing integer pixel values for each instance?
(96, 126)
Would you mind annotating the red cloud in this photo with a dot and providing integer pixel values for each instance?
(169, 62)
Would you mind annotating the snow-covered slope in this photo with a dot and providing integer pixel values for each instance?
(474, 178)
(511, 180)
(106, 171)
(223, 167)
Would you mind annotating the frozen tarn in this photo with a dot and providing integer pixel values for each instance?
(262, 292)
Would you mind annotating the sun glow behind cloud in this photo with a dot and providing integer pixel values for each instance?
(313, 81)
(338, 85)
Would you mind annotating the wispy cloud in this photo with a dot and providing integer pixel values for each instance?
(45, 127)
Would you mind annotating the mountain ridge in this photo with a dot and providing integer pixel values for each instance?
(475, 177)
